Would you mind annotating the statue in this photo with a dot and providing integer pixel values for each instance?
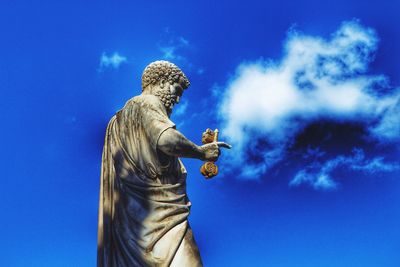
(143, 205)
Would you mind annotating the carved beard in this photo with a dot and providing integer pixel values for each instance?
(166, 98)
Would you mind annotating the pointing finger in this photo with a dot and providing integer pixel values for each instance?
(223, 144)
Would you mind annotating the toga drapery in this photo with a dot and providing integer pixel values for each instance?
(143, 205)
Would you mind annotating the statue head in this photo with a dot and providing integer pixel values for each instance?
(165, 80)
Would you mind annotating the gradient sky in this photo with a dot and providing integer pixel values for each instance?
(306, 185)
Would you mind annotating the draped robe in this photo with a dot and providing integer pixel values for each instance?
(143, 205)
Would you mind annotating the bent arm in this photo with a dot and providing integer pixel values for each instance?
(173, 143)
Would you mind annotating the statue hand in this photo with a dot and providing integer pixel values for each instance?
(211, 151)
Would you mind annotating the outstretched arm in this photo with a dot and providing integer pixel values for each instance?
(173, 143)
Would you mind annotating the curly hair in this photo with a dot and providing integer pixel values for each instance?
(163, 71)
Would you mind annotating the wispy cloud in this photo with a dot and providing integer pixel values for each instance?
(177, 49)
(200, 71)
(181, 108)
(319, 175)
(388, 127)
(172, 46)
(113, 61)
(267, 104)
(178, 112)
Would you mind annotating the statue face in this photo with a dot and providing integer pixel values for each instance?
(169, 94)
(176, 90)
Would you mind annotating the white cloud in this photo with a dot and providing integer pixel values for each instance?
(316, 79)
(388, 128)
(112, 61)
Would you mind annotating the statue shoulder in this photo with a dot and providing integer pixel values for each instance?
(145, 104)
(148, 101)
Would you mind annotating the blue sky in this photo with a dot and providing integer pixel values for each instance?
(307, 93)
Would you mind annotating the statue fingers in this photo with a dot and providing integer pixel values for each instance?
(224, 145)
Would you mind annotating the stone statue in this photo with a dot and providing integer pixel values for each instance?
(143, 206)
